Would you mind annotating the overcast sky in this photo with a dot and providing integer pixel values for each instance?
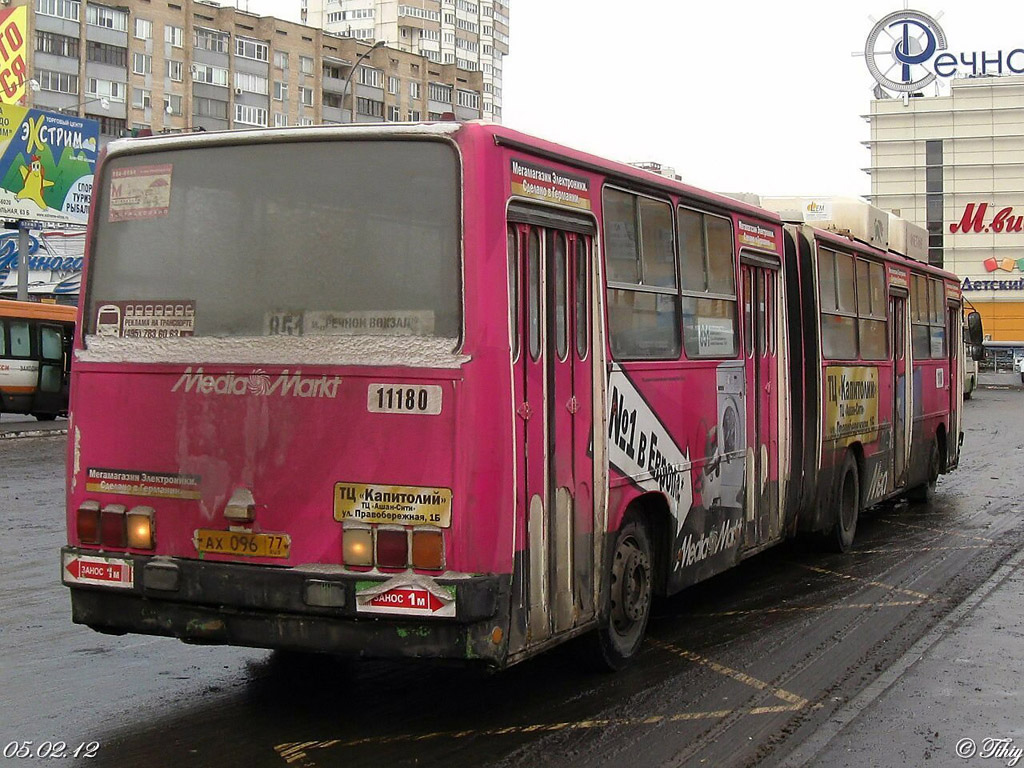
(758, 96)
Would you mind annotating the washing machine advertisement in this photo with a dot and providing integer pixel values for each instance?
(699, 466)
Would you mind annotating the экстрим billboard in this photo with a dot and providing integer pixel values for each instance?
(47, 162)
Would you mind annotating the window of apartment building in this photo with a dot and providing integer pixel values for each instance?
(449, 18)
(306, 65)
(466, 64)
(440, 92)
(434, 116)
(211, 40)
(111, 18)
(414, 90)
(394, 85)
(204, 73)
(306, 96)
(59, 82)
(414, 115)
(62, 9)
(280, 91)
(430, 34)
(281, 59)
(449, 58)
(248, 115)
(105, 89)
(175, 70)
(104, 53)
(142, 98)
(470, 99)
(394, 114)
(468, 26)
(418, 13)
(333, 70)
(463, 5)
(57, 45)
(252, 49)
(448, 37)
(370, 107)
(203, 107)
(143, 29)
(305, 121)
(280, 120)
(174, 35)
(431, 55)
(112, 126)
(246, 81)
(142, 64)
(172, 104)
(371, 77)
(331, 100)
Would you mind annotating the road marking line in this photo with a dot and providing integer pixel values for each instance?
(809, 608)
(297, 753)
(890, 587)
(936, 530)
(735, 674)
(912, 550)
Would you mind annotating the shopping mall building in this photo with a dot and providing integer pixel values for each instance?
(947, 153)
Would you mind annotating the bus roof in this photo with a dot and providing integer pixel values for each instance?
(35, 310)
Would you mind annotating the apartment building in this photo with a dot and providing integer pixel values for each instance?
(471, 34)
(955, 165)
(199, 65)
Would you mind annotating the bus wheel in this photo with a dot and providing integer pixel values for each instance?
(847, 505)
(45, 416)
(630, 590)
(923, 492)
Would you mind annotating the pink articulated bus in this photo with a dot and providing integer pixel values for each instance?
(449, 391)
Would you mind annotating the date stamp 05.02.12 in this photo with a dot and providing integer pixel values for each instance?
(42, 750)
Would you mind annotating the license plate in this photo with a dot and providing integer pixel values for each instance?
(242, 543)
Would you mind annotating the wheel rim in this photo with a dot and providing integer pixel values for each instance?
(631, 587)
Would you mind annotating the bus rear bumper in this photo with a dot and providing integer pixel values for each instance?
(287, 608)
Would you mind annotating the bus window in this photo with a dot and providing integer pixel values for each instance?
(871, 311)
(21, 339)
(708, 285)
(513, 288)
(582, 298)
(643, 303)
(534, 298)
(838, 305)
(561, 299)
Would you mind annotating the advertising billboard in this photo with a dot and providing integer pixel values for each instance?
(13, 69)
(47, 162)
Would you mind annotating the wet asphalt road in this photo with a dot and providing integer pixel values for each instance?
(737, 671)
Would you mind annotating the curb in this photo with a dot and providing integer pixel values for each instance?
(32, 433)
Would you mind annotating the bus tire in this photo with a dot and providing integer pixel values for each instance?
(629, 594)
(847, 504)
(45, 416)
(923, 493)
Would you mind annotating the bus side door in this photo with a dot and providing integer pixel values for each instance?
(553, 393)
(760, 293)
(51, 392)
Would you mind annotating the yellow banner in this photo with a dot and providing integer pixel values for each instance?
(13, 47)
(851, 404)
(393, 504)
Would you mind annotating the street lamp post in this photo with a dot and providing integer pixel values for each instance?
(344, 88)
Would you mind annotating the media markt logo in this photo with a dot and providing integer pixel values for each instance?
(258, 383)
(900, 48)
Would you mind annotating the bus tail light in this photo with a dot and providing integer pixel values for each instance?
(392, 548)
(428, 550)
(87, 523)
(112, 526)
(141, 528)
(358, 547)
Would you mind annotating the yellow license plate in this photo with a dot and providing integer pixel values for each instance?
(242, 543)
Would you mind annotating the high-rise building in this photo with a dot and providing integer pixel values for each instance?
(196, 64)
(471, 34)
(955, 165)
